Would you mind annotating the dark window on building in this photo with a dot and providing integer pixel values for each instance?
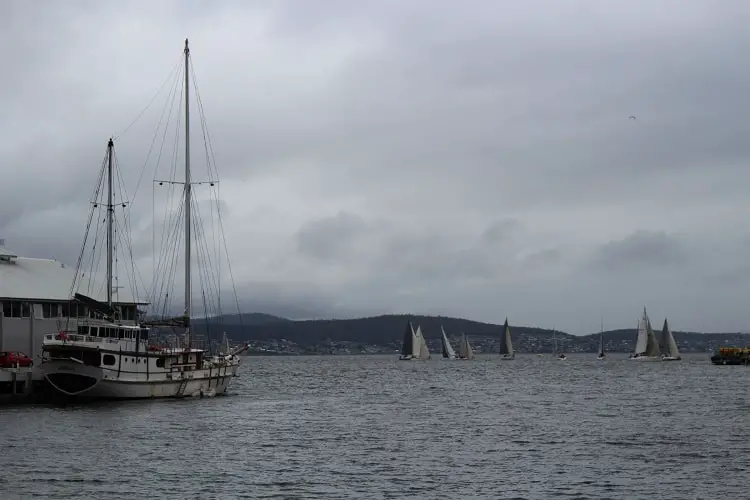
(108, 360)
(25, 309)
(49, 310)
(160, 361)
(7, 309)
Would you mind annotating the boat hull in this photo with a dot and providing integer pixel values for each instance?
(730, 360)
(645, 359)
(600, 358)
(74, 380)
(671, 358)
(507, 357)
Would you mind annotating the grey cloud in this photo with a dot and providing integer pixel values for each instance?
(472, 159)
(642, 249)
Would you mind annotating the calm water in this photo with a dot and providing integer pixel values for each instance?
(374, 427)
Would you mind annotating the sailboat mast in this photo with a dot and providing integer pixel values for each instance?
(110, 224)
(187, 188)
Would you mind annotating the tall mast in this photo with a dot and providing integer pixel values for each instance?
(110, 216)
(187, 185)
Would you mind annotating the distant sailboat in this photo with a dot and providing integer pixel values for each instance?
(464, 349)
(560, 355)
(667, 345)
(601, 342)
(448, 351)
(506, 346)
(422, 352)
(646, 345)
(408, 343)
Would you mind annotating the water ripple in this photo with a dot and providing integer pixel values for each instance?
(373, 427)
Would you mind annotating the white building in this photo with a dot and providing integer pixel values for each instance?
(36, 299)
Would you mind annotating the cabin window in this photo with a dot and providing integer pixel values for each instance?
(91, 358)
(120, 333)
(94, 331)
(80, 310)
(144, 334)
(25, 309)
(7, 309)
(128, 313)
(83, 329)
(160, 361)
(108, 360)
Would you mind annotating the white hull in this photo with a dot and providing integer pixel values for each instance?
(562, 358)
(646, 358)
(600, 358)
(671, 358)
(72, 379)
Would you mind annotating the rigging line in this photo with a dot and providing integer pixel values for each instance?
(213, 174)
(174, 158)
(203, 257)
(126, 228)
(168, 269)
(221, 220)
(170, 102)
(176, 66)
(95, 195)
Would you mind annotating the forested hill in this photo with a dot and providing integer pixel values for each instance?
(388, 330)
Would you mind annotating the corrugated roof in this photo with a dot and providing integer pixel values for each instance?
(45, 279)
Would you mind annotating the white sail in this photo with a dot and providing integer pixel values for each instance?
(448, 351)
(668, 345)
(423, 353)
(465, 351)
(506, 345)
(415, 342)
(646, 345)
(652, 344)
(642, 339)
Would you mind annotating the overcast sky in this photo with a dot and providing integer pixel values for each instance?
(466, 158)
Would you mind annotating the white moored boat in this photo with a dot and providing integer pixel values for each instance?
(104, 358)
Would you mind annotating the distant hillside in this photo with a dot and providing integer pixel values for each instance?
(374, 330)
(246, 319)
(387, 331)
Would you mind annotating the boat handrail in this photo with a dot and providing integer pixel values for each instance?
(77, 337)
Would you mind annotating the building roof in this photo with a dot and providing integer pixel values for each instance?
(45, 279)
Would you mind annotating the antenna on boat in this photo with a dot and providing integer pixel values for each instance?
(110, 225)
(187, 194)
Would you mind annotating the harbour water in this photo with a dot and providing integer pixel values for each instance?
(375, 427)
